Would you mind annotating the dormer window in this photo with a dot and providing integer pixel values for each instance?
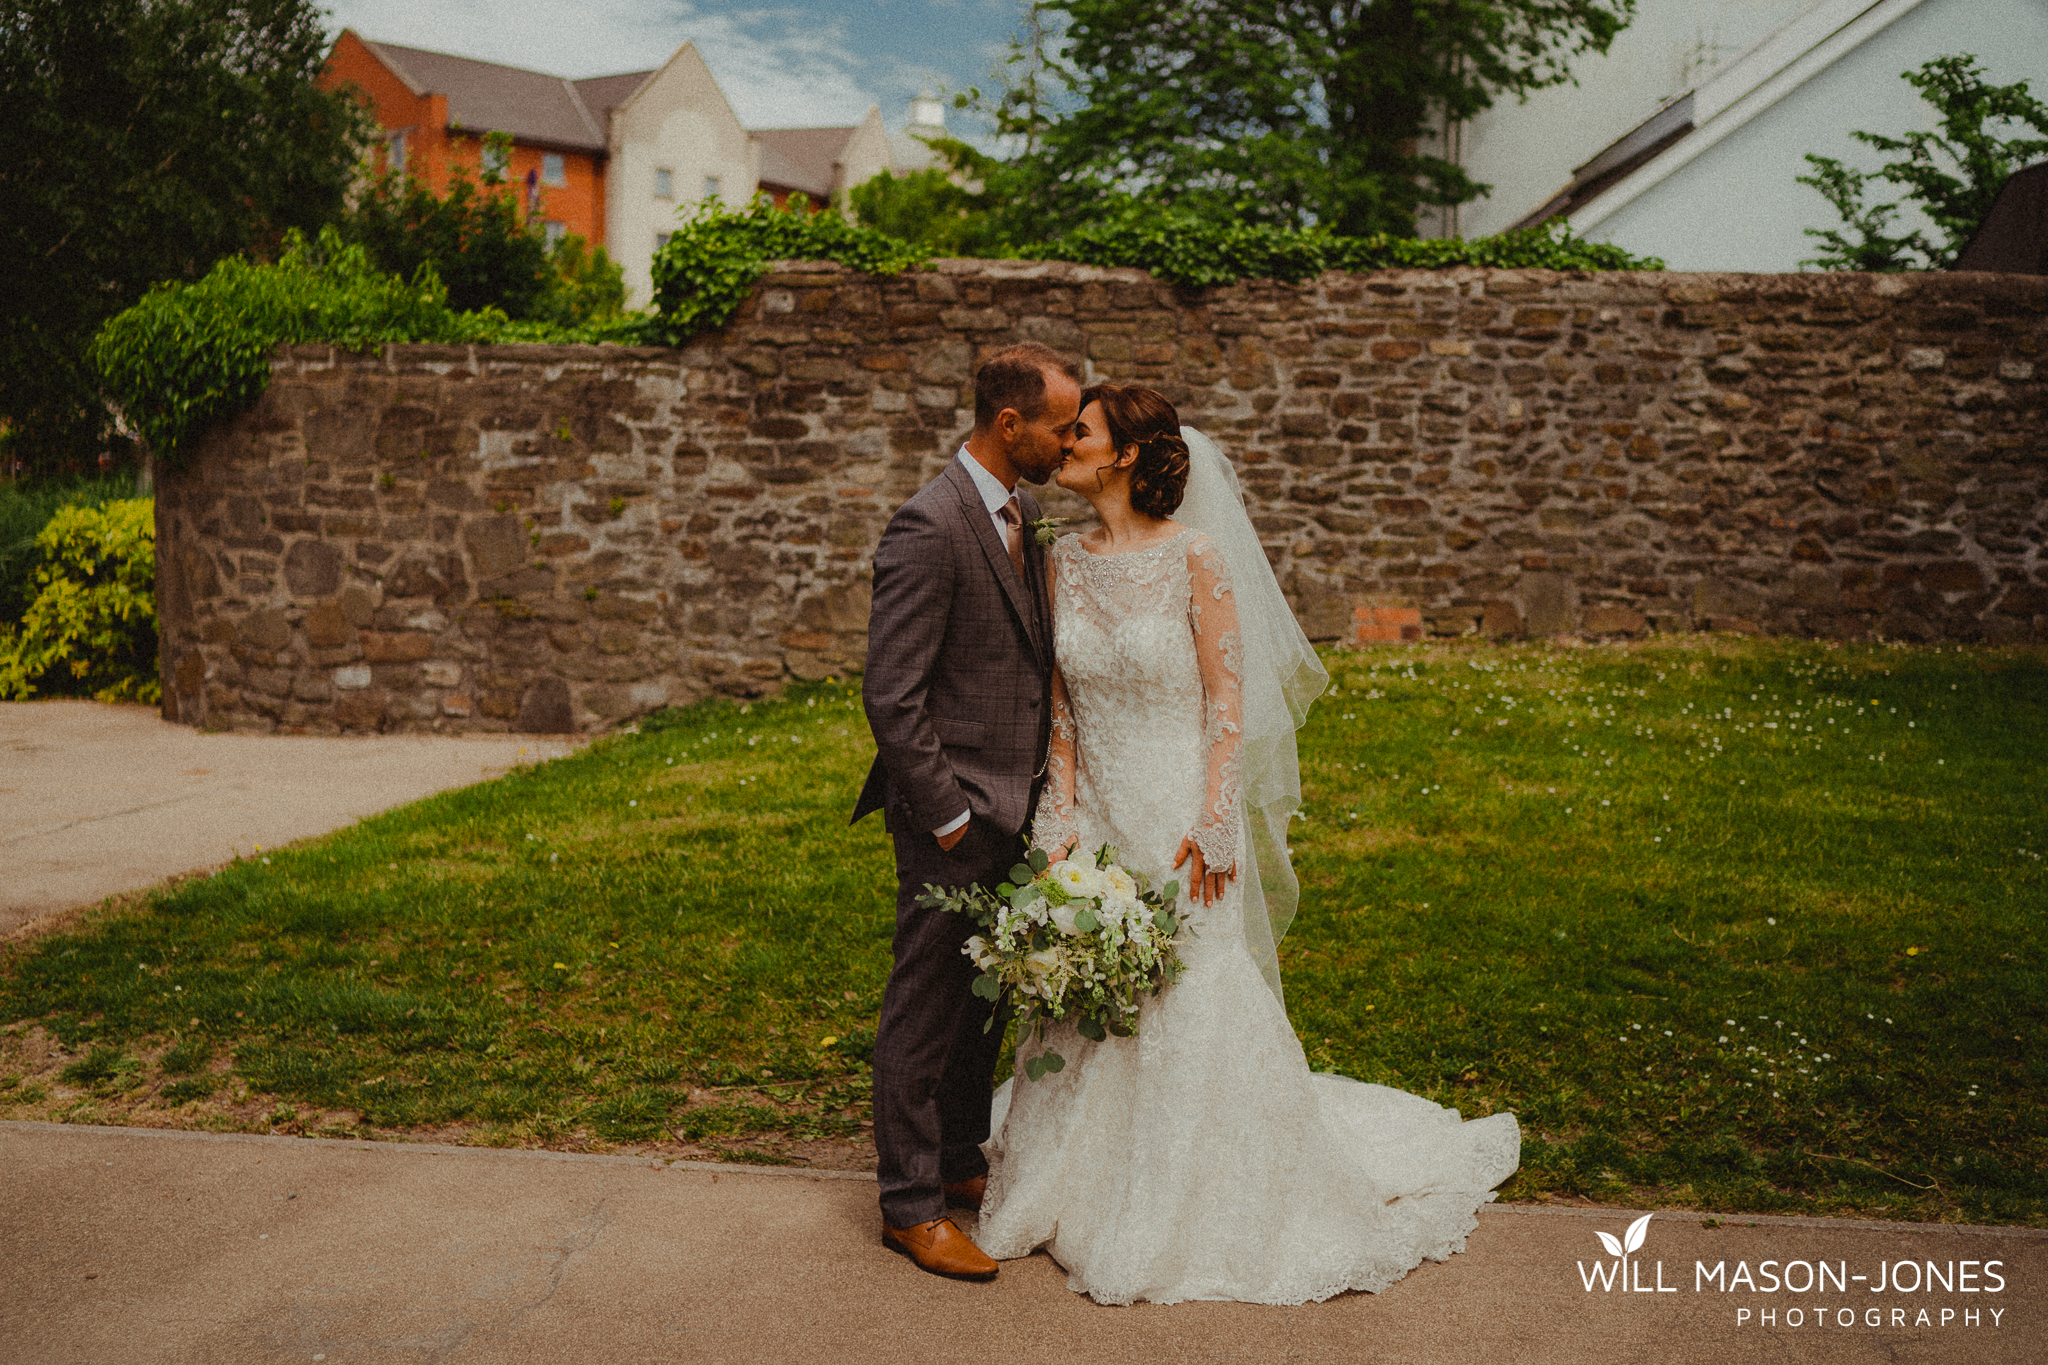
(553, 171)
(664, 183)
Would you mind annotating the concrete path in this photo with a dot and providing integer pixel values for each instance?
(96, 800)
(143, 1246)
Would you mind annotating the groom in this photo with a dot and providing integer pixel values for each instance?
(958, 694)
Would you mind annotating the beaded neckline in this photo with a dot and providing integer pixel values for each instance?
(1156, 545)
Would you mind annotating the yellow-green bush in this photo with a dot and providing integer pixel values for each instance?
(91, 627)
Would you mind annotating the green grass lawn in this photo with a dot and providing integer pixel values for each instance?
(1730, 925)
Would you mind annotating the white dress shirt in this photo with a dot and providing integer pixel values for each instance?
(994, 496)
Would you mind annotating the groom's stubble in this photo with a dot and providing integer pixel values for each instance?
(1034, 448)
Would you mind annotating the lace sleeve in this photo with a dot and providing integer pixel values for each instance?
(1053, 827)
(1212, 613)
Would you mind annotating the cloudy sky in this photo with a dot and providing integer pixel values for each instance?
(807, 64)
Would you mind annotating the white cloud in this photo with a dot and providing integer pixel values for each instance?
(781, 68)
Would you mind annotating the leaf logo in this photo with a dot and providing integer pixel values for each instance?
(1629, 1241)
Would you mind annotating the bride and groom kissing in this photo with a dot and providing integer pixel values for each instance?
(1137, 686)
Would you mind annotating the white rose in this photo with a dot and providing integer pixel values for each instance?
(1063, 916)
(1119, 882)
(1073, 878)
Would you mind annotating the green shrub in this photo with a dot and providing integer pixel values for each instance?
(587, 286)
(190, 355)
(484, 247)
(25, 509)
(706, 270)
(931, 208)
(1197, 252)
(92, 626)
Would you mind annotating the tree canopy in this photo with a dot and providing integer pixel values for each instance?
(1953, 172)
(1290, 112)
(141, 141)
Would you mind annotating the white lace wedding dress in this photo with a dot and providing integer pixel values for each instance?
(1201, 1159)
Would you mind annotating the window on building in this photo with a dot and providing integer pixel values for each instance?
(711, 187)
(553, 171)
(396, 156)
(664, 183)
(497, 158)
(661, 239)
(554, 230)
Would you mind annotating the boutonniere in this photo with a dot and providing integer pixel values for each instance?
(1045, 530)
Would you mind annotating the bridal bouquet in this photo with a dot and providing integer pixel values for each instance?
(1081, 939)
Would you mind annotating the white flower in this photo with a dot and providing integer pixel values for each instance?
(980, 953)
(1063, 916)
(1119, 883)
(1076, 879)
(1037, 967)
(1124, 907)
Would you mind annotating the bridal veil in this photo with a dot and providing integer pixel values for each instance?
(1281, 677)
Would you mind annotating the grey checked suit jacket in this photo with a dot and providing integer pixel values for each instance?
(959, 673)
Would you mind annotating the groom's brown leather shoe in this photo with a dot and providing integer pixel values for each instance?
(941, 1248)
(966, 1194)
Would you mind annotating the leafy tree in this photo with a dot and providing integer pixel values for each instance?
(143, 140)
(486, 249)
(1953, 174)
(933, 207)
(1288, 112)
(1873, 247)
(584, 286)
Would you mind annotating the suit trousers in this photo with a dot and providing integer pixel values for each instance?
(934, 1064)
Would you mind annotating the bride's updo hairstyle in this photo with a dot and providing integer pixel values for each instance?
(1141, 417)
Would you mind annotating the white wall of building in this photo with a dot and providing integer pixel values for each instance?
(865, 156)
(1738, 205)
(678, 122)
(1527, 149)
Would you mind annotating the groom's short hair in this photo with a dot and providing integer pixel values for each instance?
(1015, 378)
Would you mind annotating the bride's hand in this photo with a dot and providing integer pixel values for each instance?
(1203, 885)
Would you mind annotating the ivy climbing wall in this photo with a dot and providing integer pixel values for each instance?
(559, 538)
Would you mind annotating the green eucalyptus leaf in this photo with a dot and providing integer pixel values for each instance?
(1089, 1028)
(1121, 1029)
(1086, 922)
(1022, 873)
(987, 987)
(1039, 860)
(1052, 1061)
(1164, 920)
(1170, 892)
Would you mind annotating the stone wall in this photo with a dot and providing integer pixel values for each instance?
(557, 538)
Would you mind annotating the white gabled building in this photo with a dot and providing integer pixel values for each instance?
(673, 141)
(1687, 139)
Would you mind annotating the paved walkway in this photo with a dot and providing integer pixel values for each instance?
(96, 800)
(134, 1245)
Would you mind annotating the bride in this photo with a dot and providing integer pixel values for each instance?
(1201, 1159)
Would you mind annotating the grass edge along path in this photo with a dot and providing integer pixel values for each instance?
(1731, 925)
